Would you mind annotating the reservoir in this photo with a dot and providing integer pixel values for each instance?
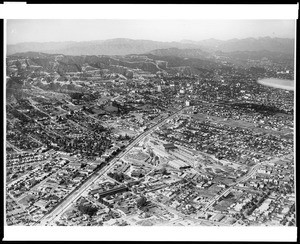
(277, 83)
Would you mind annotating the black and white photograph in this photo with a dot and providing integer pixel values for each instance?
(149, 122)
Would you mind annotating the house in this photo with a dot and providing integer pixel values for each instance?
(42, 204)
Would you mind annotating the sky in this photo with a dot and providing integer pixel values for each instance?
(157, 30)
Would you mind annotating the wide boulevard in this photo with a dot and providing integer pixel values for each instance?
(59, 209)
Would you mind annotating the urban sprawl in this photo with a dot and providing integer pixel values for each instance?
(130, 140)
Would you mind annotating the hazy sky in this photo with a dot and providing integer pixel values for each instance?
(157, 30)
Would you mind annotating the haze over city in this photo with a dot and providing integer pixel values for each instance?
(55, 30)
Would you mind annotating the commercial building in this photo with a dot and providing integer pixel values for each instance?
(177, 164)
(169, 146)
(109, 192)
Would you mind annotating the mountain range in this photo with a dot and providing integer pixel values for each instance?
(280, 45)
(124, 46)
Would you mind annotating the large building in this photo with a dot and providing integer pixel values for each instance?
(113, 191)
(169, 146)
(178, 164)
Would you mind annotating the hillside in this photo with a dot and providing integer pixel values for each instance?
(145, 62)
(119, 46)
(184, 53)
(123, 46)
(279, 45)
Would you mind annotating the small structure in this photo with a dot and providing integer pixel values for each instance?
(169, 146)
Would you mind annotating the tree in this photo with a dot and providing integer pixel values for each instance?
(164, 170)
(141, 201)
(90, 210)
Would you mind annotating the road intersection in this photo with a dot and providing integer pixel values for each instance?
(76, 194)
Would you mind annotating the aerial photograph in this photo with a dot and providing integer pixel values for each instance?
(147, 122)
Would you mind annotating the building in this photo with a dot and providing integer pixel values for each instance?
(108, 192)
(41, 204)
(137, 174)
(177, 164)
(169, 146)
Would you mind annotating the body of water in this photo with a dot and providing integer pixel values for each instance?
(277, 83)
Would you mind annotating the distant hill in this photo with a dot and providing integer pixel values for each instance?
(184, 53)
(279, 45)
(123, 46)
(69, 63)
(119, 46)
(120, 64)
(256, 55)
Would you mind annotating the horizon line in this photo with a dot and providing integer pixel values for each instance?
(95, 40)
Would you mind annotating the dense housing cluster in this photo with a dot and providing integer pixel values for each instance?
(113, 144)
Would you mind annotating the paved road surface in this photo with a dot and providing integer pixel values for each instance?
(246, 177)
(50, 218)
